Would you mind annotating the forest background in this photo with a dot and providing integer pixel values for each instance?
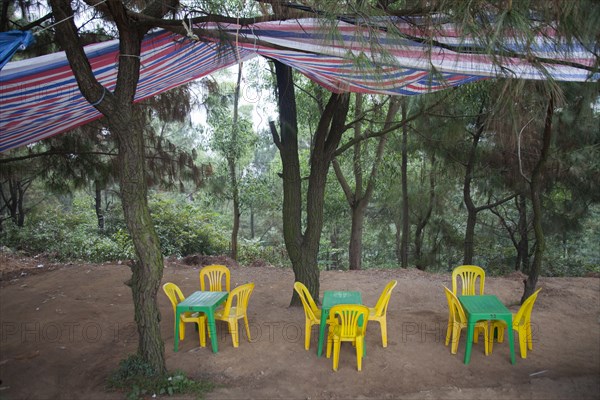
(65, 204)
(463, 178)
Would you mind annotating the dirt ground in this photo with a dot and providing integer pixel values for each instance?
(64, 327)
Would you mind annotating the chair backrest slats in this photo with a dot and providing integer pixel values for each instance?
(215, 275)
(350, 317)
(241, 296)
(468, 275)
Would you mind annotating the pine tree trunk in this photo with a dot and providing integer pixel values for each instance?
(287, 142)
(405, 205)
(522, 262)
(236, 210)
(398, 242)
(356, 234)
(118, 108)
(422, 223)
(252, 234)
(335, 256)
(231, 161)
(469, 242)
(303, 248)
(536, 203)
(147, 270)
(98, 205)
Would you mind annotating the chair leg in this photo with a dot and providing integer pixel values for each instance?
(181, 330)
(383, 324)
(490, 340)
(202, 332)
(455, 338)
(359, 352)
(247, 328)
(523, 343)
(233, 330)
(307, 329)
(500, 336)
(336, 352)
(486, 339)
(529, 336)
(449, 331)
(329, 343)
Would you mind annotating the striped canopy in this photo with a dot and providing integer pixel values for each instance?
(39, 97)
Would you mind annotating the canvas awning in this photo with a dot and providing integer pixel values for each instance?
(39, 97)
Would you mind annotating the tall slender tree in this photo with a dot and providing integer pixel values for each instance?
(359, 198)
(303, 243)
(123, 121)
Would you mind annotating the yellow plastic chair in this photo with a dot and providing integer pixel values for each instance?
(176, 296)
(468, 275)
(215, 274)
(232, 313)
(378, 313)
(351, 326)
(457, 321)
(521, 324)
(312, 313)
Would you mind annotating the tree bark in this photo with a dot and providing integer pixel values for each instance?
(303, 247)
(356, 234)
(98, 205)
(522, 262)
(286, 141)
(147, 270)
(360, 198)
(468, 200)
(398, 240)
(536, 202)
(252, 233)
(123, 122)
(231, 162)
(424, 220)
(405, 205)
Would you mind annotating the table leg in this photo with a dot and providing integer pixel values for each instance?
(212, 328)
(322, 326)
(469, 341)
(176, 338)
(511, 339)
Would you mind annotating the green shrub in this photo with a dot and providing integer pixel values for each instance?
(66, 234)
(184, 229)
(251, 250)
(71, 233)
(139, 378)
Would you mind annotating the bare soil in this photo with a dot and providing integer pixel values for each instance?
(64, 328)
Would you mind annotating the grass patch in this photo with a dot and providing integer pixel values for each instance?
(139, 379)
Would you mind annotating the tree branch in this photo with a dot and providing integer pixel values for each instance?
(391, 128)
(275, 134)
(343, 182)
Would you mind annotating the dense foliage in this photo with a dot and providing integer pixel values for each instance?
(68, 230)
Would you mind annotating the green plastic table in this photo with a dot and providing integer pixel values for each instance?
(485, 307)
(201, 301)
(330, 299)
